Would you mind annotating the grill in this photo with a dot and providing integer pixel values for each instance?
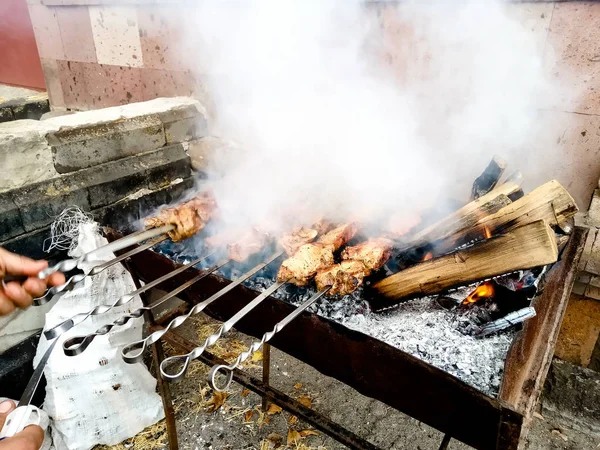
(374, 368)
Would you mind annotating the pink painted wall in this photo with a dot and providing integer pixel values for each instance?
(97, 53)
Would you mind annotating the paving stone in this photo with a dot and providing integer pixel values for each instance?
(82, 147)
(573, 392)
(594, 211)
(184, 123)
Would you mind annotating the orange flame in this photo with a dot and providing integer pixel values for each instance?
(486, 232)
(484, 290)
(428, 256)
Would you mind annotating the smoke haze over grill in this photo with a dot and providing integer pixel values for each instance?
(368, 109)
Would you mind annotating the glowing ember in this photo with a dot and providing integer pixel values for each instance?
(428, 256)
(487, 233)
(484, 290)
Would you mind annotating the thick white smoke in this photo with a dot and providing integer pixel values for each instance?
(367, 109)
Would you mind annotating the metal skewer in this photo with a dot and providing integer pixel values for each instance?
(71, 283)
(101, 309)
(134, 352)
(213, 338)
(228, 369)
(77, 344)
(127, 241)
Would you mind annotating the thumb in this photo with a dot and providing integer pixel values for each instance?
(6, 407)
(19, 265)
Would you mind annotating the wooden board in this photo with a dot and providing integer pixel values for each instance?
(530, 246)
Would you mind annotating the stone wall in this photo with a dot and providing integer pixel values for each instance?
(118, 163)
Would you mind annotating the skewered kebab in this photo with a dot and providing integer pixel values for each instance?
(178, 223)
(359, 261)
(187, 218)
(300, 268)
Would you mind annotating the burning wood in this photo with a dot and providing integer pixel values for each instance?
(484, 290)
(530, 246)
(188, 218)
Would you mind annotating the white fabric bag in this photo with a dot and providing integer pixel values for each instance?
(95, 397)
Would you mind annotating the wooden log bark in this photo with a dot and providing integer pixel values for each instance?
(523, 248)
(485, 182)
(464, 218)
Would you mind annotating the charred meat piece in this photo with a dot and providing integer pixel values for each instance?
(305, 263)
(295, 239)
(188, 218)
(339, 236)
(344, 278)
(247, 245)
(373, 253)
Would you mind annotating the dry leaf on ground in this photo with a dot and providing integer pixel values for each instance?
(216, 401)
(305, 433)
(245, 392)
(306, 401)
(248, 415)
(292, 420)
(267, 419)
(275, 439)
(273, 409)
(257, 356)
(293, 437)
(298, 385)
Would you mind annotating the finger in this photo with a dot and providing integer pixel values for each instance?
(34, 286)
(19, 265)
(18, 295)
(31, 438)
(6, 304)
(6, 407)
(56, 279)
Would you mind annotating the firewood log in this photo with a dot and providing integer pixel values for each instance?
(530, 246)
(485, 182)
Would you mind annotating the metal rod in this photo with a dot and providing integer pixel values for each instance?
(134, 352)
(266, 373)
(317, 420)
(78, 344)
(445, 442)
(127, 241)
(59, 291)
(228, 368)
(101, 309)
(213, 338)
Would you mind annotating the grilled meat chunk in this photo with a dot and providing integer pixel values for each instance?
(339, 236)
(295, 239)
(305, 263)
(247, 245)
(189, 218)
(373, 253)
(344, 278)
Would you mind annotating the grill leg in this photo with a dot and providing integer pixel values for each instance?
(266, 372)
(445, 442)
(158, 356)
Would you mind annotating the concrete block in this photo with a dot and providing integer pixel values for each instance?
(25, 156)
(11, 224)
(83, 147)
(6, 114)
(184, 123)
(579, 331)
(593, 257)
(41, 203)
(166, 165)
(587, 249)
(579, 288)
(573, 393)
(212, 153)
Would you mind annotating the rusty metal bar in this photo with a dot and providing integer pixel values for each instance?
(319, 421)
(266, 372)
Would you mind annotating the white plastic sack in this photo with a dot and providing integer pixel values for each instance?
(96, 398)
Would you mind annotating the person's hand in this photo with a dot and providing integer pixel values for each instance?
(16, 295)
(31, 438)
